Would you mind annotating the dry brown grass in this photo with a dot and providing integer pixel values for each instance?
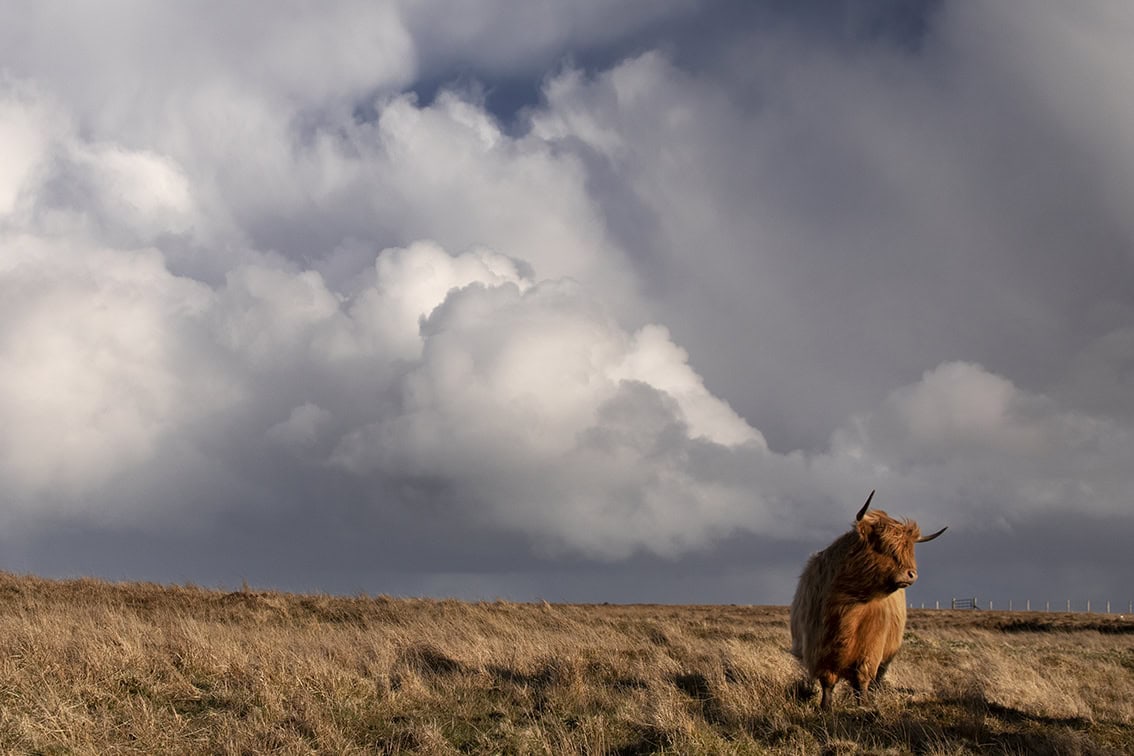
(92, 667)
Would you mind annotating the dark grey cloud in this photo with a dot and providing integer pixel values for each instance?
(566, 303)
(869, 208)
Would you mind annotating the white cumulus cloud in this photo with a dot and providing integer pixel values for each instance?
(99, 364)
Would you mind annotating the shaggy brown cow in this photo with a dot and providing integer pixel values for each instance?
(849, 610)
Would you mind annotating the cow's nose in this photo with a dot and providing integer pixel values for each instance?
(912, 575)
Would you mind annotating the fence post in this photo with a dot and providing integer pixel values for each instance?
(937, 604)
(1048, 606)
(954, 604)
(1009, 604)
(990, 605)
(1068, 604)
(1108, 607)
(1088, 606)
(1029, 606)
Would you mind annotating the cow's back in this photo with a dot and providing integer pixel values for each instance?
(808, 608)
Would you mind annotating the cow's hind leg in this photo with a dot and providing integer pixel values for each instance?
(827, 681)
(803, 689)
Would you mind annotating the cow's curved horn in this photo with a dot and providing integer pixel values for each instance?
(865, 507)
(931, 537)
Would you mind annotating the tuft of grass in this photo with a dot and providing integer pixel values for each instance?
(94, 667)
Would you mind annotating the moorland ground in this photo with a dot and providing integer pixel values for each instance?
(95, 667)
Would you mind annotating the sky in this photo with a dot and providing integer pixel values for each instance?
(567, 300)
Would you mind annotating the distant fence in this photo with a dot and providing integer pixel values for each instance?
(1105, 607)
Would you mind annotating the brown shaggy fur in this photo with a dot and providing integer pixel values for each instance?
(849, 610)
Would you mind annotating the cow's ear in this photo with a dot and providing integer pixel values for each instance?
(865, 527)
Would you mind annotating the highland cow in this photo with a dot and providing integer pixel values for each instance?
(849, 610)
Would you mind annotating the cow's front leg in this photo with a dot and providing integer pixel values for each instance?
(879, 678)
(860, 680)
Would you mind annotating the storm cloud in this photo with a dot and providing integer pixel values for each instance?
(306, 297)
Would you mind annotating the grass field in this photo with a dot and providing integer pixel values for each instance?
(94, 667)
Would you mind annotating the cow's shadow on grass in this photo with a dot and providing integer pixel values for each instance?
(898, 717)
(969, 719)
